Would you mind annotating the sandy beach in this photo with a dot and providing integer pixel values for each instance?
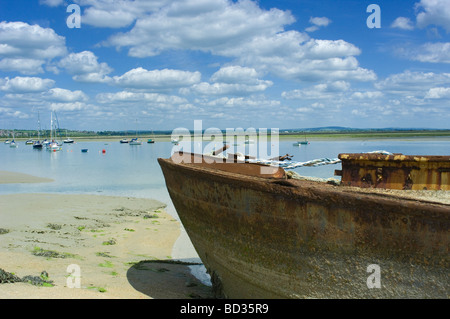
(120, 246)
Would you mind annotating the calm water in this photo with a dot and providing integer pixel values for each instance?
(133, 170)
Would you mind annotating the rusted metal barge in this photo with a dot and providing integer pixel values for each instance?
(267, 236)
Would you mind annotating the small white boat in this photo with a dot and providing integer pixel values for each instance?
(7, 141)
(13, 144)
(124, 141)
(175, 141)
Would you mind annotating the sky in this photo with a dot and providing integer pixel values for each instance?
(161, 64)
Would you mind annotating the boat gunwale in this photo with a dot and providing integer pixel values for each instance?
(320, 190)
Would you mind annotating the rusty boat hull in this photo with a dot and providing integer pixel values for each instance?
(265, 236)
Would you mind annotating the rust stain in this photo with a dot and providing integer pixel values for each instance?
(408, 172)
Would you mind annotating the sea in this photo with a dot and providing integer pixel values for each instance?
(115, 169)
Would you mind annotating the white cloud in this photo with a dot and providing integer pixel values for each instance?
(438, 93)
(124, 97)
(63, 95)
(367, 95)
(25, 84)
(25, 48)
(231, 80)
(23, 66)
(412, 82)
(117, 13)
(320, 91)
(70, 106)
(402, 23)
(243, 31)
(141, 78)
(317, 22)
(210, 26)
(433, 52)
(236, 74)
(85, 68)
(433, 12)
(205, 88)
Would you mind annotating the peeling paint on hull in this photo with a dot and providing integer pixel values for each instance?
(268, 237)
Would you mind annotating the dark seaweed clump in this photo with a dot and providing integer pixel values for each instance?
(42, 280)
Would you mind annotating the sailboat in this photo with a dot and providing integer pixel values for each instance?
(151, 140)
(13, 144)
(53, 146)
(38, 144)
(135, 141)
(305, 142)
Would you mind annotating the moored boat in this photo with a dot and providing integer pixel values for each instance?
(13, 144)
(262, 235)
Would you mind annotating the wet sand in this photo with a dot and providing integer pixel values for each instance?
(14, 177)
(121, 245)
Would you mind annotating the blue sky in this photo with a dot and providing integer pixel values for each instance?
(262, 64)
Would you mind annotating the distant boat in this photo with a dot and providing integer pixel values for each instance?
(29, 142)
(135, 141)
(301, 143)
(305, 142)
(52, 146)
(7, 141)
(175, 141)
(84, 150)
(150, 141)
(68, 140)
(13, 144)
(37, 145)
(124, 140)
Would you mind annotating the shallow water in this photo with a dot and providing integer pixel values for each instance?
(133, 170)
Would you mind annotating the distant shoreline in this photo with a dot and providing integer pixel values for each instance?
(426, 134)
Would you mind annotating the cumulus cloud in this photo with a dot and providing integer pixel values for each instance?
(140, 97)
(412, 82)
(231, 80)
(65, 96)
(438, 93)
(141, 78)
(25, 48)
(320, 91)
(23, 66)
(433, 12)
(84, 67)
(367, 95)
(438, 52)
(25, 85)
(240, 30)
(317, 22)
(402, 23)
(117, 13)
